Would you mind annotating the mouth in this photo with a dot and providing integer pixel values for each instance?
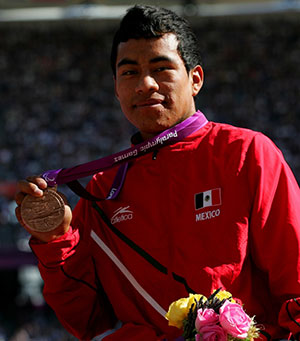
(148, 103)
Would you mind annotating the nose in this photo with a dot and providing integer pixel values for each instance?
(146, 83)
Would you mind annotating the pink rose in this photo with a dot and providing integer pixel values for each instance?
(206, 316)
(211, 332)
(234, 320)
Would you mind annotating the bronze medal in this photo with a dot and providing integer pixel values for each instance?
(43, 214)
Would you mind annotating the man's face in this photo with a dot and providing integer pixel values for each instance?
(152, 85)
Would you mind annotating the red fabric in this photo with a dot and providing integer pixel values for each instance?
(289, 316)
(248, 245)
(133, 333)
(57, 251)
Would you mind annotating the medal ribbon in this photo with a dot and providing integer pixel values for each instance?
(167, 137)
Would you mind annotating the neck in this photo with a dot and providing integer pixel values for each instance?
(146, 135)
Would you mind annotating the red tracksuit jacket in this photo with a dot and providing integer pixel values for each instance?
(218, 209)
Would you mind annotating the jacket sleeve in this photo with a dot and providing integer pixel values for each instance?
(134, 332)
(71, 287)
(275, 228)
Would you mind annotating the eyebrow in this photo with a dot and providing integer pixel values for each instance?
(128, 61)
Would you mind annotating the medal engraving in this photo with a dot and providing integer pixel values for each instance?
(45, 213)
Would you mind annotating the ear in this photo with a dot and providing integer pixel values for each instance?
(197, 77)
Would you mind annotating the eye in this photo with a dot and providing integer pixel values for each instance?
(162, 68)
(128, 72)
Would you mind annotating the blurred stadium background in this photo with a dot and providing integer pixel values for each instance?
(57, 107)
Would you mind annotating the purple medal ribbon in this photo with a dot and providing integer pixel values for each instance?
(167, 137)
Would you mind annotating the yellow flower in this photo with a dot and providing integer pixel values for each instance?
(221, 295)
(179, 309)
(193, 297)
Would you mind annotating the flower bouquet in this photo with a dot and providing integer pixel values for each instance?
(218, 317)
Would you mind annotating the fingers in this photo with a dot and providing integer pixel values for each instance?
(67, 219)
(33, 185)
(39, 181)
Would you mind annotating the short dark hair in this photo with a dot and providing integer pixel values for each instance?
(144, 21)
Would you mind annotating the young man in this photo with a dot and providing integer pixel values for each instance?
(218, 207)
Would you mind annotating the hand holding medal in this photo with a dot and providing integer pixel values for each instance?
(43, 214)
(42, 210)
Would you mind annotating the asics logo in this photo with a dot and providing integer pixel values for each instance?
(121, 214)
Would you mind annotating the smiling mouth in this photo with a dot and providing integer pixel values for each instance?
(148, 103)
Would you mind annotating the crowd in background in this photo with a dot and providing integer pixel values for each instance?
(57, 109)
